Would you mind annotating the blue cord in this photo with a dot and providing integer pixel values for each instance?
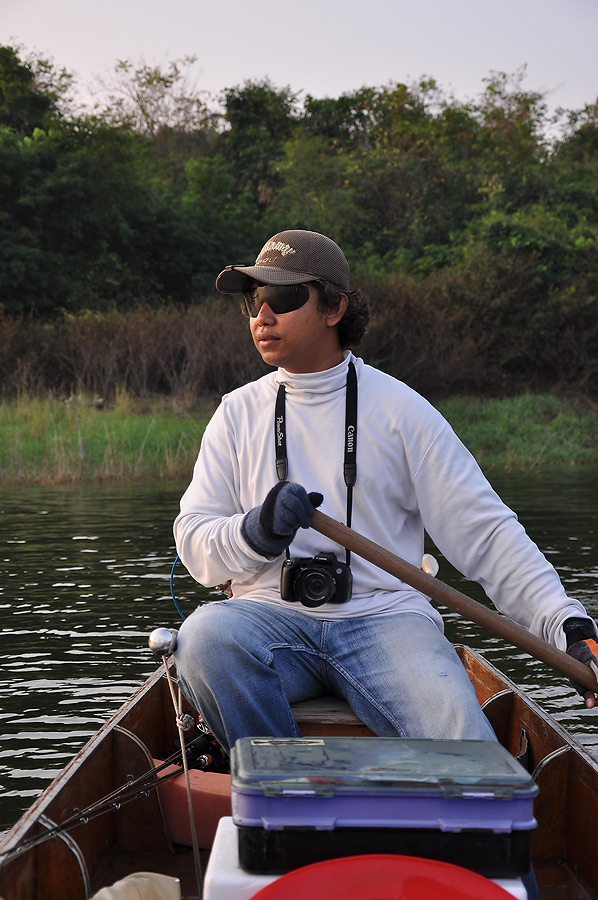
(172, 588)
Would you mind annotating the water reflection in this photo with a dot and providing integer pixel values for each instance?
(85, 578)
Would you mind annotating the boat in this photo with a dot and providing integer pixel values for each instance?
(121, 823)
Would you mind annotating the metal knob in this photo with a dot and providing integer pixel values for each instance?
(163, 641)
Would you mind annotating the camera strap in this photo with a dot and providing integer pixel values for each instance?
(350, 458)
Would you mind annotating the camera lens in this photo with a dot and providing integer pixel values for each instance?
(315, 586)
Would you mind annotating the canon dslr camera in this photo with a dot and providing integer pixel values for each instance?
(316, 580)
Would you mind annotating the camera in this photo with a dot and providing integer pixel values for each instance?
(316, 580)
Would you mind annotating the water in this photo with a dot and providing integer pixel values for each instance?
(85, 577)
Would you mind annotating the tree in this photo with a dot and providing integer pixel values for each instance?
(260, 118)
(86, 221)
(149, 98)
(224, 225)
(24, 106)
(579, 146)
(315, 190)
(347, 122)
(380, 168)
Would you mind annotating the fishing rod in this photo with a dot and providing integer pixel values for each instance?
(126, 793)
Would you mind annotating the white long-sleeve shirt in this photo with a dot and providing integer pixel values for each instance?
(413, 473)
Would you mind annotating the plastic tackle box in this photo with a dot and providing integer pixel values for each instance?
(298, 801)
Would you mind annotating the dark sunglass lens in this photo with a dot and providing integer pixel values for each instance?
(280, 298)
(251, 302)
(302, 294)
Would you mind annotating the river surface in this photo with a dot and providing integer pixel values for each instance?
(85, 577)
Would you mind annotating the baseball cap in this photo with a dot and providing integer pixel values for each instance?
(290, 257)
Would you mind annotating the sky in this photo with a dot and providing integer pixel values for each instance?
(323, 47)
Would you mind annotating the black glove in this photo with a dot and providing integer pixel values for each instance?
(582, 645)
(270, 528)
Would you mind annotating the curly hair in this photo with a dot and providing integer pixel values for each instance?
(353, 325)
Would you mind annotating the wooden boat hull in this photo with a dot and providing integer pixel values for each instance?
(135, 837)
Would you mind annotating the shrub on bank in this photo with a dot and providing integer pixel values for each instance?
(445, 334)
(171, 350)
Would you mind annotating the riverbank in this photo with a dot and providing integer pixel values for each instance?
(47, 440)
(82, 439)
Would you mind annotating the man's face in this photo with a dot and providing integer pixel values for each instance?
(303, 340)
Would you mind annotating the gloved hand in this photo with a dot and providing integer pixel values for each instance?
(582, 645)
(270, 528)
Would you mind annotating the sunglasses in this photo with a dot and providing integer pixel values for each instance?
(281, 298)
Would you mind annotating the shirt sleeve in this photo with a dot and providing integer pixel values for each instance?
(207, 530)
(483, 539)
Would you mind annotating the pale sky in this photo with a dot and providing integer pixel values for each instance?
(324, 47)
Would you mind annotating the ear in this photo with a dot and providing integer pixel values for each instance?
(335, 317)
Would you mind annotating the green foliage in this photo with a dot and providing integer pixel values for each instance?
(259, 118)
(23, 105)
(80, 226)
(315, 191)
(214, 209)
(475, 236)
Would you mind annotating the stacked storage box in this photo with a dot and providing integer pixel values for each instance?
(298, 801)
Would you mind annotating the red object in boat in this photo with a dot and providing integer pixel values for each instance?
(381, 876)
(211, 800)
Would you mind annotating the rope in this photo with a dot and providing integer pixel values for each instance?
(180, 719)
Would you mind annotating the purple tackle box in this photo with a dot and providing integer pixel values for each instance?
(297, 801)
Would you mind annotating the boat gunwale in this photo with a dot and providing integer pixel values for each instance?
(30, 817)
(549, 733)
(465, 651)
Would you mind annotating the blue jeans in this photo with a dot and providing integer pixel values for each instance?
(241, 663)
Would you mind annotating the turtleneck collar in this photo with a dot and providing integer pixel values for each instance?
(324, 382)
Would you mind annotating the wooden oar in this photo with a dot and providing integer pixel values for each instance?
(442, 593)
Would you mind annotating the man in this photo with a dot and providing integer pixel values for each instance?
(377, 456)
